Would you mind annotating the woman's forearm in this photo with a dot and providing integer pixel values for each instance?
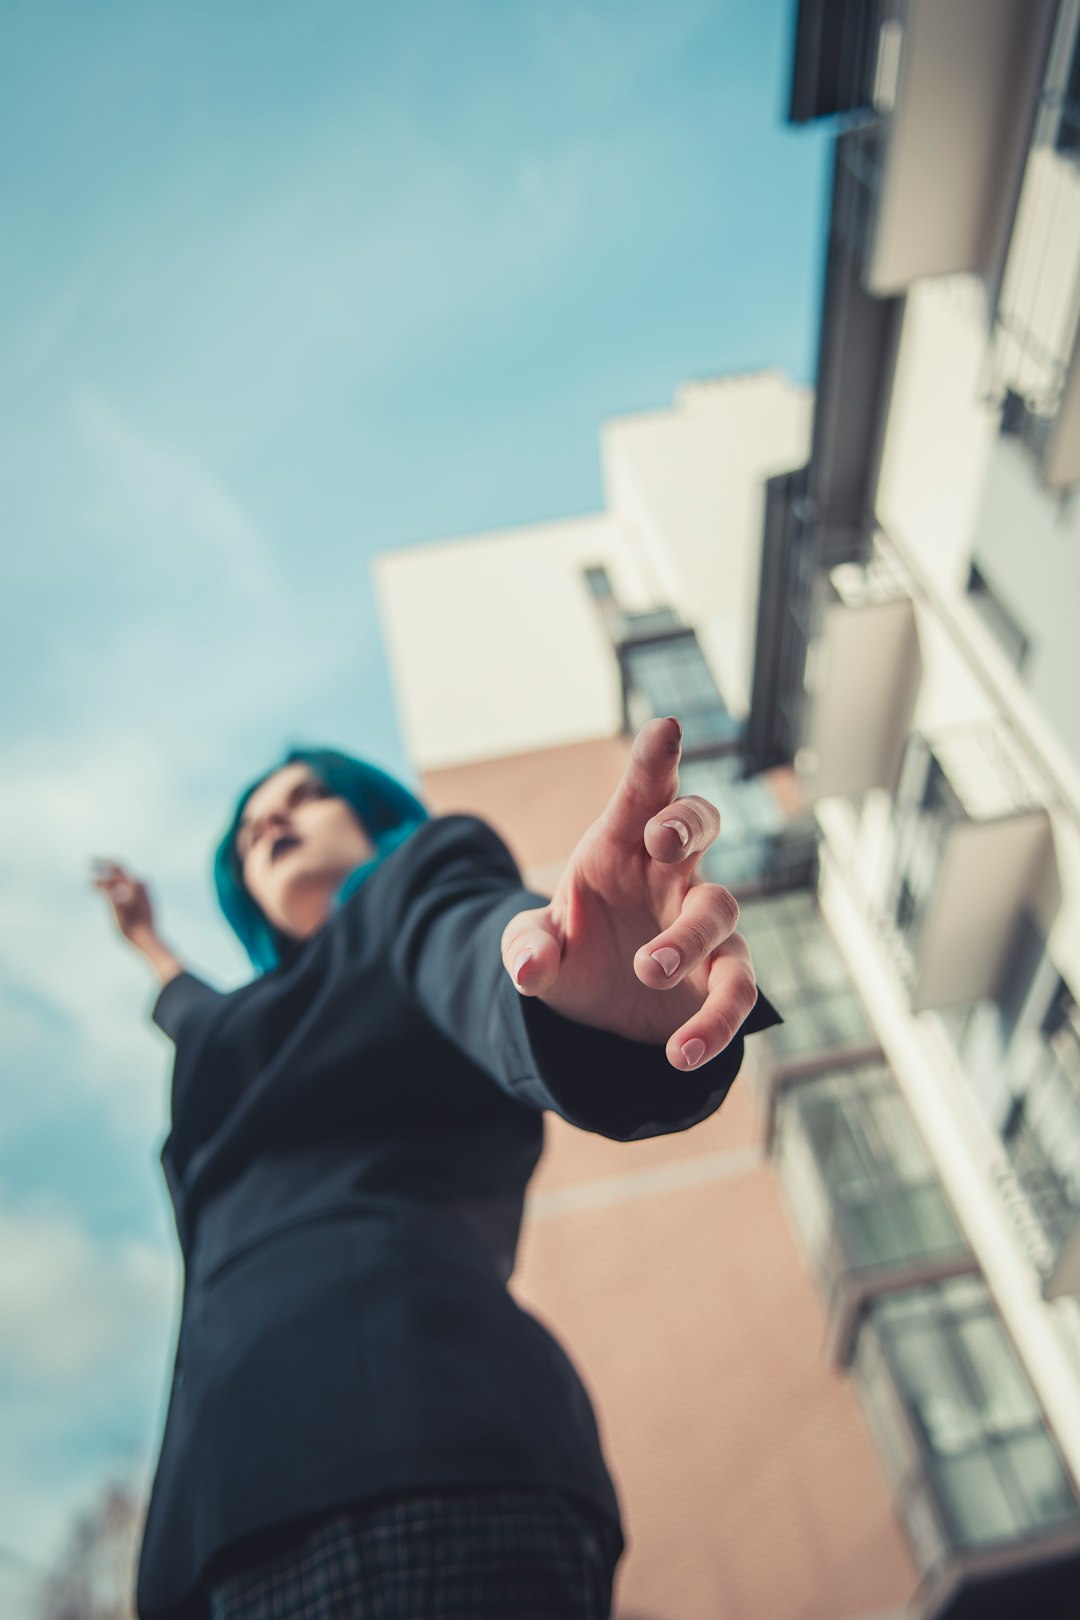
(164, 963)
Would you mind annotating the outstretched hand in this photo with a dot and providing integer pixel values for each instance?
(632, 940)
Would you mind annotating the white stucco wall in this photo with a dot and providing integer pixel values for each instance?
(1028, 548)
(940, 433)
(688, 487)
(494, 644)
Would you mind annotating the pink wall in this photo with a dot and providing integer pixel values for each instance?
(751, 1489)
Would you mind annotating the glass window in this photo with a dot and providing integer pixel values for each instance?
(795, 958)
(1041, 1131)
(672, 677)
(998, 618)
(750, 820)
(886, 1205)
(922, 810)
(988, 1470)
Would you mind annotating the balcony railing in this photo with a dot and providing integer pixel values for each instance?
(980, 1485)
(868, 1206)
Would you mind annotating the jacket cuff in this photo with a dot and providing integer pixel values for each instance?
(175, 999)
(620, 1088)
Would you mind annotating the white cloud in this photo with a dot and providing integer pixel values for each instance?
(152, 718)
(85, 1330)
(75, 1309)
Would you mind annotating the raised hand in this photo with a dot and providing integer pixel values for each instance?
(632, 940)
(130, 902)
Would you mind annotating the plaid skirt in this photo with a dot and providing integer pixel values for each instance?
(489, 1554)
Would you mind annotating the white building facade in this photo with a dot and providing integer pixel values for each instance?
(928, 701)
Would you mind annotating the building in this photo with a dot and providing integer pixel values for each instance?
(832, 1334)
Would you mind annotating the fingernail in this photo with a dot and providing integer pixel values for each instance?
(692, 1052)
(519, 963)
(677, 721)
(668, 959)
(683, 831)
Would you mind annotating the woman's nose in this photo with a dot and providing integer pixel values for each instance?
(276, 824)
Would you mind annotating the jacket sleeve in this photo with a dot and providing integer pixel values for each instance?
(459, 888)
(177, 998)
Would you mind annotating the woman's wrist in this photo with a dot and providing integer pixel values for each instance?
(163, 961)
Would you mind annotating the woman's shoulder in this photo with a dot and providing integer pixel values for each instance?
(182, 999)
(457, 835)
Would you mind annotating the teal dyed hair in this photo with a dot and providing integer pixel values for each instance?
(388, 812)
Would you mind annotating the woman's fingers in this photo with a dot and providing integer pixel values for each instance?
(531, 951)
(685, 827)
(731, 998)
(649, 781)
(709, 916)
(129, 898)
(705, 932)
(110, 877)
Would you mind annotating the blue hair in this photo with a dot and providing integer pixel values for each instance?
(388, 812)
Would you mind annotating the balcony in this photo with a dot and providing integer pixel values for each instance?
(967, 805)
(868, 1207)
(825, 1027)
(1021, 1056)
(990, 1512)
(862, 678)
(664, 671)
(1036, 345)
(950, 92)
(768, 839)
(966, 87)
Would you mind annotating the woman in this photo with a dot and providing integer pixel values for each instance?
(362, 1421)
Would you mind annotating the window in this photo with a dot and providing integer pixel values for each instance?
(989, 1034)
(1042, 1130)
(599, 582)
(1067, 138)
(924, 807)
(996, 616)
(1021, 1056)
(960, 1430)
(851, 1133)
(795, 957)
(671, 676)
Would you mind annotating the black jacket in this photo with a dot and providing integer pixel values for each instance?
(351, 1140)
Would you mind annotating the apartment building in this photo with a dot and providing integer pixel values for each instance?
(917, 660)
(833, 1334)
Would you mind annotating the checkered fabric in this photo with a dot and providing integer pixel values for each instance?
(476, 1555)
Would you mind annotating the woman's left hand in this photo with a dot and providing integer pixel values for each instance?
(631, 889)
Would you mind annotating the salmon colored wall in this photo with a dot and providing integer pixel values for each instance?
(750, 1487)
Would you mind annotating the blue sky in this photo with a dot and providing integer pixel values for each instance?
(284, 285)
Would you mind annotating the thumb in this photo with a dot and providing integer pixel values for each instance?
(532, 950)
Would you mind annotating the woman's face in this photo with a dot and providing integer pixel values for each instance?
(294, 886)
